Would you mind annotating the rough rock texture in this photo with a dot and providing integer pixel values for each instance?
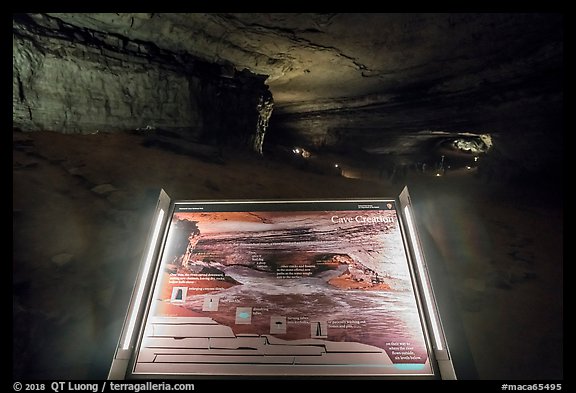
(236, 111)
(73, 79)
(362, 80)
(335, 57)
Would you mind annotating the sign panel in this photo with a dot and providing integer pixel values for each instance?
(291, 288)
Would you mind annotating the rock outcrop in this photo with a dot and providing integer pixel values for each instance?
(72, 79)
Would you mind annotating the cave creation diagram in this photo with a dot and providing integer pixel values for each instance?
(269, 292)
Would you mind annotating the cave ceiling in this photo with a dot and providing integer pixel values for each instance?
(372, 72)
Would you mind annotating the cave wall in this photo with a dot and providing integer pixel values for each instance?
(229, 104)
(76, 80)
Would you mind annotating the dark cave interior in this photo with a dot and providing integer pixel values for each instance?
(464, 108)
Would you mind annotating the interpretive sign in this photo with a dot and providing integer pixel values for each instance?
(287, 288)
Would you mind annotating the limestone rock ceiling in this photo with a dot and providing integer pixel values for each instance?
(326, 61)
(378, 82)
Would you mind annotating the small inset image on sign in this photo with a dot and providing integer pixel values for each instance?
(277, 325)
(318, 329)
(179, 294)
(210, 303)
(243, 315)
